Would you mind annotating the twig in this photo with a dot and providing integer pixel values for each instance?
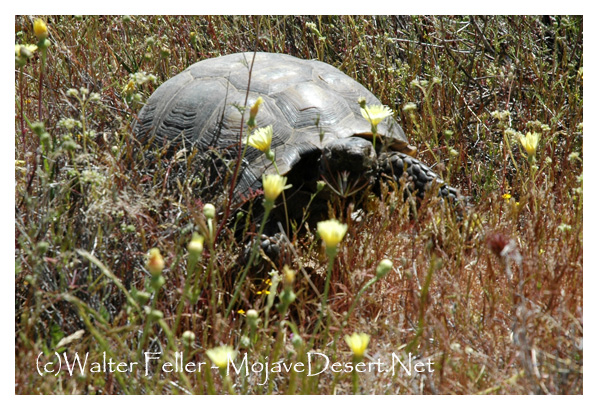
(239, 157)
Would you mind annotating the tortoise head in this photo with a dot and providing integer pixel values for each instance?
(390, 136)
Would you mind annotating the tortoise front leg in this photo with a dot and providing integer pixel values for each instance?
(419, 176)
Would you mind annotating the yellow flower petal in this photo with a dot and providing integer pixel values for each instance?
(331, 232)
(40, 29)
(273, 185)
(221, 356)
(255, 107)
(358, 343)
(261, 139)
(376, 113)
(530, 142)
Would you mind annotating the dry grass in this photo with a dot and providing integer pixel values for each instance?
(493, 299)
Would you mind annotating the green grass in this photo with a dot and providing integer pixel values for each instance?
(90, 205)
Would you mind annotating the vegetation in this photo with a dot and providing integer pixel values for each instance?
(491, 298)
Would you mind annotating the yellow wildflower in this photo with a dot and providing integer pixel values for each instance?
(25, 50)
(331, 232)
(273, 185)
(221, 356)
(376, 113)
(530, 142)
(129, 88)
(358, 343)
(261, 139)
(40, 29)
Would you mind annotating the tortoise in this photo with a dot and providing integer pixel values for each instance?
(318, 128)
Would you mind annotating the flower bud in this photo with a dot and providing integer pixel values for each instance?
(156, 282)
(245, 341)
(288, 276)
(196, 245)
(141, 297)
(384, 267)
(188, 338)
(255, 107)
(154, 315)
(209, 211)
(40, 29)
(252, 318)
(155, 263)
(42, 247)
(297, 341)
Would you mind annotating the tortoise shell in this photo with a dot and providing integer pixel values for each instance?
(307, 102)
